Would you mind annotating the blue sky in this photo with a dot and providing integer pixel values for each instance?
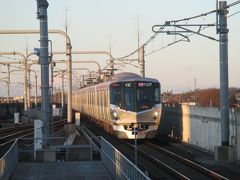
(92, 22)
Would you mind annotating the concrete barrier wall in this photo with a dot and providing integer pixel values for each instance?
(237, 116)
(199, 126)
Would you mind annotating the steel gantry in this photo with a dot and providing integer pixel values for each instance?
(82, 62)
(93, 53)
(29, 95)
(24, 62)
(68, 58)
(83, 69)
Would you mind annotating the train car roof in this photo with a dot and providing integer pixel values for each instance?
(127, 76)
(120, 77)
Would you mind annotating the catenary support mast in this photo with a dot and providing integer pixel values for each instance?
(44, 61)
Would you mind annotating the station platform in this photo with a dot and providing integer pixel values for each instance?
(90, 170)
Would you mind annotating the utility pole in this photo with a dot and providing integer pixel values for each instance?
(42, 6)
(138, 35)
(28, 83)
(8, 83)
(224, 151)
(35, 88)
(195, 93)
(29, 87)
(141, 60)
(83, 80)
(111, 59)
(51, 64)
(223, 48)
(25, 85)
(62, 94)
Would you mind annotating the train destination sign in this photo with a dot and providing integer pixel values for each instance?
(144, 84)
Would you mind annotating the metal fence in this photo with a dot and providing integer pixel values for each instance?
(9, 161)
(118, 165)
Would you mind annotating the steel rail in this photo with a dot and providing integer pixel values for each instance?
(187, 162)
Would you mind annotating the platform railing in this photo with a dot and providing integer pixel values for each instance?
(63, 151)
(118, 165)
(9, 161)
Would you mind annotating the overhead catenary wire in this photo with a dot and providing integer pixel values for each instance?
(204, 14)
(180, 40)
(175, 21)
(144, 44)
(11, 58)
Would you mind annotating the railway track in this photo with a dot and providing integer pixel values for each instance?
(9, 135)
(158, 162)
(178, 166)
(8, 130)
(144, 164)
(187, 162)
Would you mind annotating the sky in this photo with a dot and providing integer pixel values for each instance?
(97, 25)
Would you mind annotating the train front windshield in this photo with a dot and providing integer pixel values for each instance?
(135, 96)
(147, 95)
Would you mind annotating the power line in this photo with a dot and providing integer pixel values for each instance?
(234, 14)
(11, 58)
(175, 21)
(180, 40)
(233, 4)
(204, 14)
(145, 44)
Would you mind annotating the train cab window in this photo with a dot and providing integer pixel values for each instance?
(148, 94)
(116, 94)
(129, 96)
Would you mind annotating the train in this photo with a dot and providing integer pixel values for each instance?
(127, 105)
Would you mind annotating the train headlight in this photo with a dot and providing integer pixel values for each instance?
(155, 115)
(115, 115)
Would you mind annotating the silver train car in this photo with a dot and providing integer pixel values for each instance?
(124, 103)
